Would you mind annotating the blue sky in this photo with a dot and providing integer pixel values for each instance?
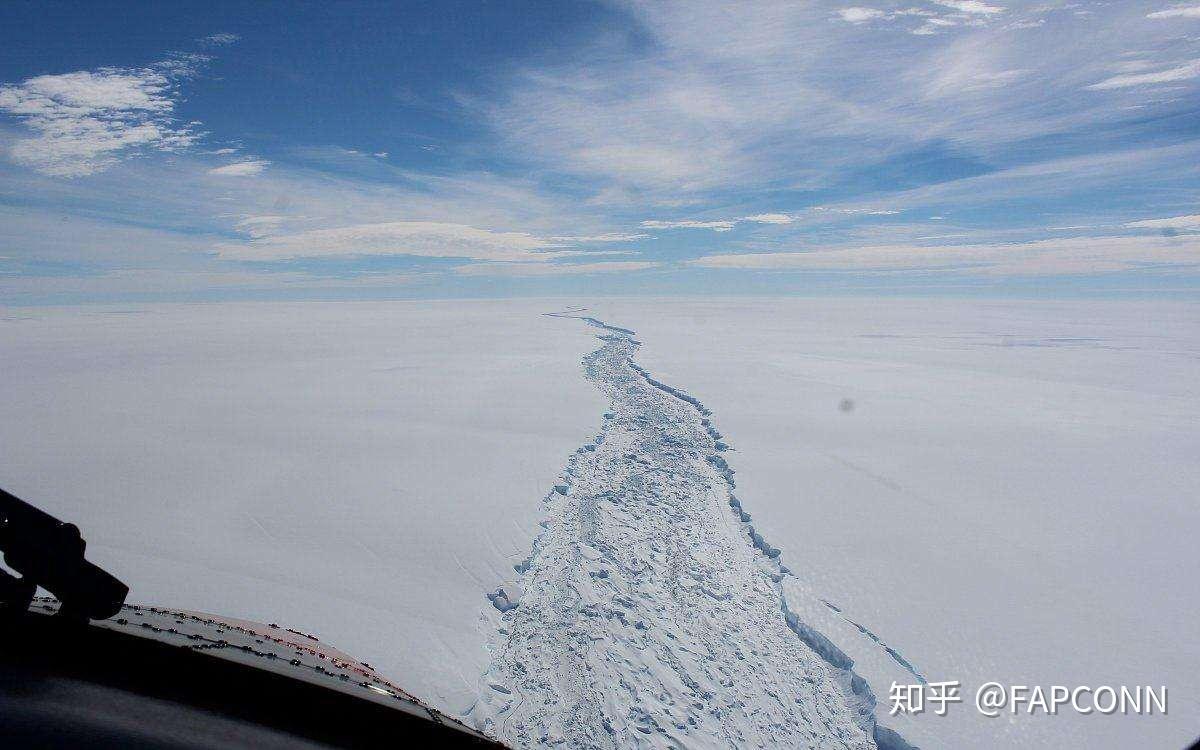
(354, 150)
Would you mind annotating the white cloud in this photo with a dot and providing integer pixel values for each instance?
(769, 218)
(1078, 255)
(716, 226)
(860, 15)
(681, 118)
(1181, 73)
(852, 211)
(791, 100)
(247, 168)
(1181, 11)
(422, 238)
(726, 225)
(971, 6)
(82, 122)
(968, 68)
(965, 13)
(1185, 223)
(173, 282)
(259, 226)
(553, 269)
(220, 40)
(615, 237)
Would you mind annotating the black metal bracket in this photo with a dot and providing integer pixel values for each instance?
(48, 552)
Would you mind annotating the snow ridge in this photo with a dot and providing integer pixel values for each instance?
(652, 612)
(895, 655)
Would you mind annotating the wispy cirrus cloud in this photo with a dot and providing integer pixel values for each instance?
(420, 238)
(795, 97)
(174, 283)
(1082, 255)
(82, 122)
(554, 269)
(974, 7)
(1179, 11)
(769, 218)
(851, 211)
(220, 39)
(778, 219)
(998, 121)
(1182, 223)
(1184, 72)
(260, 226)
(244, 168)
(716, 226)
(931, 17)
(601, 238)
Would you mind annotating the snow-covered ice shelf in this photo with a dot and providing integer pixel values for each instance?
(361, 471)
(1010, 495)
(652, 613)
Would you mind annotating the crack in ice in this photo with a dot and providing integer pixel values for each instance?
(652, 612)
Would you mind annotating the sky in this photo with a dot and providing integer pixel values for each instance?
(209, 151)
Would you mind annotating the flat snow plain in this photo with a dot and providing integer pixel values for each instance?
(364, 472)
(996, 490)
